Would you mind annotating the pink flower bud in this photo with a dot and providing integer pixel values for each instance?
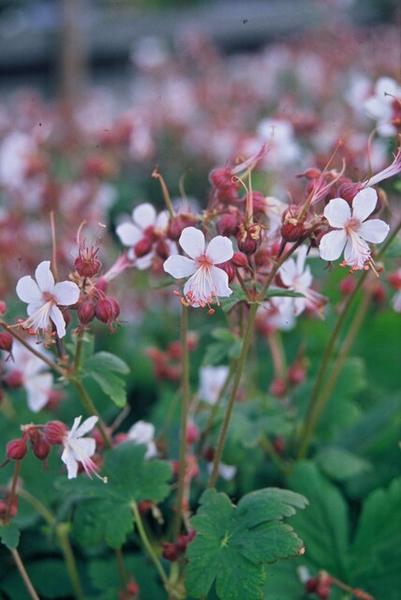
(347, 285)
(296, 373)
(192, 433)
(240, 260)
(227, 224)
(14, 379)
(229, 269)
(16, 449)
(86, 312)
(40, 448)
(3, 307)
(6, 341)
(55, 432)
(105, 310)
(143, 247)
(87, 263)
(278, 387)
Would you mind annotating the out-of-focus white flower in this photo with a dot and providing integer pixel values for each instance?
(79, 449)
(279, 134)
(380, 106)
(352, 229)
(298, 278)
(34, 374)
(226, 472)
(211, 381)
(278, 313)
(207, 282)
(143, 432)
(15, 151)
(44, 297)
(274, 212)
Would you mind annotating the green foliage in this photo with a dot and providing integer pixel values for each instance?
(104, 513)
(105, 369)
(49, 577)
(233, 545)
(9, 535)
(226, 347)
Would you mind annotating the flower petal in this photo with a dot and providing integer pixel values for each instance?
(288, 272)
(129, 234)
(337, 212)
(220, 282)
(37, 390)
(144, 215)
(364, 203)
(86, 426)
(44, 276)
(69, 460)
(75, 426)
(220, 249)
(57, 318)
(162, 220)
(374, 230)
(356, 252)
(179, 266)
(66, 293)
(27, 290)
(332, 244)
(192, 241)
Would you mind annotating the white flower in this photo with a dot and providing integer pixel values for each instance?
(206, 281)
(227, 472)
(44, 296)
(15, 151)
(145, 222)
(283, 149)
(298, 278)
(278, 313)
(36, 379)
(380, 105)
(143, 433)
(79, 449)
(352, 230)
(211, 381)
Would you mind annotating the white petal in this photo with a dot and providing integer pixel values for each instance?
(220, 249)
(200, 288)
(141, 432)
(162, 220)
(179, 266)
(27, 290)
(299, 306)
(301, 257)
(57, 318)
(83, 448)
(385, 88)
(220, 282)
(44, 276)
(37, 389)
(374, 230)
(86, 426)
(144, 215)
(377, 108)
(356, 252)
(337, 212)
(144, 262)
(66, 293)
(192, 241)
(75, 426)
(34, 306)
(364, 203)
(332, 244)
(69, 460)
(129, 234)
(288, 272)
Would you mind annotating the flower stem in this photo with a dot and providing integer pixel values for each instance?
(121, 566)
(184, 421)
(24, 575)
(14, 483)
(237, 379)
(148, 546)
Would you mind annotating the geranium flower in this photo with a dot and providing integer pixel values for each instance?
(143, 433)
(206, 281)
(44, 297)
(381, 105)
(79, 449)
(352, 229)
(145, 223)
(298, 278)
(33, 374)
(211, 381)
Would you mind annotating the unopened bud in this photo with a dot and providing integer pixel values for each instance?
(229, 269)
(16, 449)
(278, 387)
(105, 310)
(87, 263)
(40, 448)
(240, 259)
(6, 341)
(227, 224)
(192, 433)
(55, 432)
(3, 307)
(347, 285)
(143, 247)
(86, 312)
(14, 380)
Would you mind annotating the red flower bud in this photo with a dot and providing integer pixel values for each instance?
(394, 280)
(105, 310)
(208, 454)
(311, 585)
(144, 246)
(278, 387)
(227, 224)
(296, 373)
(86, 312)
(145, 506)
(162, 249)
(174, 350)
(87, 263)
(119, 438)
(192, 433)
(16, 449)
(40, 448)
(171, 552)
(102, 284)
(347, 285)
(240, 260)
(292, 232)
(55, 431)
(229, 269)
(6, 341)
(3, 307)
(279, 444)
(14, 379)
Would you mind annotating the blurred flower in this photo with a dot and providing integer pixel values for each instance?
(44, 296)
(211, 381)
(143, 433)
(79, 449)
(380, 106)
(352, 229)
(298, 278)
(206, 282)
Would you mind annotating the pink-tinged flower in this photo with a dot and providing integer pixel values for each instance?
(145, 224)
(143, 433)
(207, 282)
(33, 374)
(298, 278)
(44, 297)
(380, 106)
(352, 230)
(386, 173)
(79, 449)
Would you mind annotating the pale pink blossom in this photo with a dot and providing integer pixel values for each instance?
(298, 278)
(44, 297)
(207, 282)
(143, 432)
(380, 105)
(79, 449)
(352, 229)
(211, 381)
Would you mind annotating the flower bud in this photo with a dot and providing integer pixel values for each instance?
(171, 552)
(162, 249)
(55, 432)
(101, 284)
(105, 310)
(14, 379)
(40, 448)
(279, 445)
(116, 308)
(192, 433)
(87, 263)
(394, 280)
(6, 341)
(296, 373)
(220, 176)
(278, 387)
(240, 259)
(16, 449)
(143, 247)
(347, 285)
(86, 312)
(229, 269)
(227, 224)
(247, 245)
(3, 307)
(311, 585)
(175, 350)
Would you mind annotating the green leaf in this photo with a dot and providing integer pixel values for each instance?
(376, 551)
(233, 545)
(9, 535)
(237, 296)
(102, 367)
(324, 525)
(104, 513)
(340, 464)
(283, 294)
(228, 345)
(49, 577)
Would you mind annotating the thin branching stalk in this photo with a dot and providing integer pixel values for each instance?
(24, 575)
